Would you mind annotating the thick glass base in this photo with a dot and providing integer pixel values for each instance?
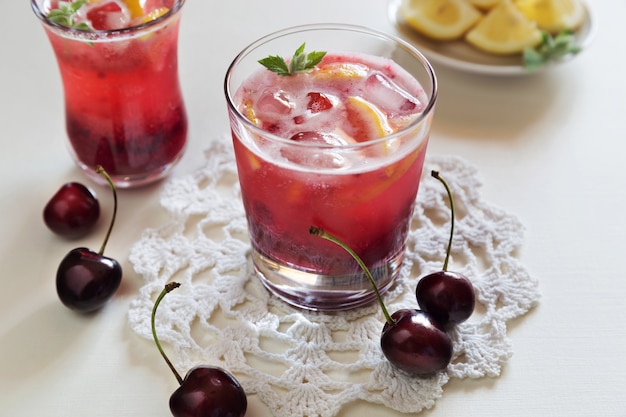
(130, 181)
(317, 292)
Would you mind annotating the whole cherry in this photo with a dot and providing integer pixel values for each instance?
(447, 296)
(411, 340)
(416, 343)
(72, 211)
(206, 391)
(85, 279)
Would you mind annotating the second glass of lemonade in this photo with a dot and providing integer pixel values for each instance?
(339, 146)
(118, 61)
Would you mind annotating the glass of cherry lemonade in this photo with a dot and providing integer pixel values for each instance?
(118, 61)
(339, 146)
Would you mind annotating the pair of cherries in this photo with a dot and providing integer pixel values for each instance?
(417, 340)
(86, 280)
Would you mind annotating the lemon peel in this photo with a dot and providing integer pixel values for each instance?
(340, 70)
(367, 120)
(134, 8)
(504, 30)
(154, 14)
(440, 19)
(485, 4)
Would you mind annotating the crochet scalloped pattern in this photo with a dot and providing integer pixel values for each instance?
(302, 363)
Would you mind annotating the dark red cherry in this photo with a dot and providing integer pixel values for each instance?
(86, 280)
(206, 391)
(72, 211)
(209, 391)
(411, 339)
(415, 343)
(447, 296)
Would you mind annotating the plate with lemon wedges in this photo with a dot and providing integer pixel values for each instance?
(495, 37)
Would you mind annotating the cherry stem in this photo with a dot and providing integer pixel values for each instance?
(316, 231)
(445, 184)
(102, 172)
(170, 286)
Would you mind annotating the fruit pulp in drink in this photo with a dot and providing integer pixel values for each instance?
(123, 103)
(345, 154)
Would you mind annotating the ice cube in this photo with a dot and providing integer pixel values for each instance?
(389, 96)
(108, 16)
(316, 156)
(273, 104)
(321, 138)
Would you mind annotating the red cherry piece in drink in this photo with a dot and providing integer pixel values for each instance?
(209, 391)
(318, 102)
(101, 16)
(72, 211)
(447, 296)
(86, 280)
(415, 343)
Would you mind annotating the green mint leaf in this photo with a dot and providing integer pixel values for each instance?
(300, 62)
(64, 15)
(275, 64)
(300, 50)
(313, 59)
(550, 49)
(78, 4)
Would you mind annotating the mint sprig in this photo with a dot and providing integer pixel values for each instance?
(64, 15)
(550, 49)
(300, 62)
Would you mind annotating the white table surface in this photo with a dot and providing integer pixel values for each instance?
(549, 147)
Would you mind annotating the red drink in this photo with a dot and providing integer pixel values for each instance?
(123, 103)
(342, 148)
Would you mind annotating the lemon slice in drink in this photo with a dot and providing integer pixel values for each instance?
(339, 70)
(155, 14)
(440, 19)
(504, 30)
(367, 121)
(134, 7)
(553, 15)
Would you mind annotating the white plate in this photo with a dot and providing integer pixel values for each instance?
(460, 55)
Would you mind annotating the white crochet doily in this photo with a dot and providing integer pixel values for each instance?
(311, 364)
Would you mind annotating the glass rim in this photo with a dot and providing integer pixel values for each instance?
(432, 97)
(95, 34)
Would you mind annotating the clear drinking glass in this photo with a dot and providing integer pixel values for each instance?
(123, 104)
(358, 179)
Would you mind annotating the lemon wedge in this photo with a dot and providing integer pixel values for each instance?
(554, 16)
(367, 121)
(155, 14)
(338, 70)
(504, 30)
(440, 19)
(134, 7)
(485, 4)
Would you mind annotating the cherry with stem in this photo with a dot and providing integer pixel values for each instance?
(206, 391)
(85, 279)
(411, 340)
(447, 296)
